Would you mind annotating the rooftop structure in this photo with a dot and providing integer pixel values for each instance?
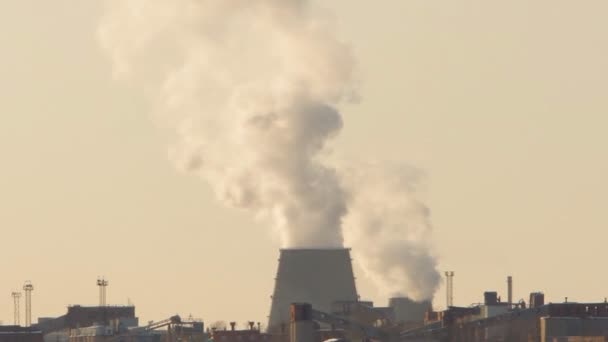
(13, 333)
(550, 322)
(85, 316)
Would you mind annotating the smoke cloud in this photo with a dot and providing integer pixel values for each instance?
(252, 90)
(389, 229)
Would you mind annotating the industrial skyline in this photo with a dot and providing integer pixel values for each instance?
(332, 309)
(499, 108)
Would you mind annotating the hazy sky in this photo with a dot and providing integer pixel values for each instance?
(502, 103)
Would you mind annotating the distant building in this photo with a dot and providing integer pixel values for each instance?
(561, 322)
(11, 333)
(233, 335)
(85, 316)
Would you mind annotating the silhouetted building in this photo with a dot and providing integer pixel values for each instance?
(234, 335)
(86, 316)
(570, 322)
(11, 333)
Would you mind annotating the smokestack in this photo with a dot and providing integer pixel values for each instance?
(510, 291)
(449, 289)
(316, 276)
(301, 327)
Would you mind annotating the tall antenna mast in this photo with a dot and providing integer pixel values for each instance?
(449, 277)
(28, 288)
(16, 300)
(102, 283)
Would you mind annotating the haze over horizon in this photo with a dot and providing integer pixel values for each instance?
(501, 105)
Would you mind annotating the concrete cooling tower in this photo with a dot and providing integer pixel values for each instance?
(407, 310)
(316, 276)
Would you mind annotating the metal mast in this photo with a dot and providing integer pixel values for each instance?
(16, 300)
(449, 277)
(28, 288)
(102, 283)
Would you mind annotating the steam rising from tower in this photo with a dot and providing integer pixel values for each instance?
(252, 89)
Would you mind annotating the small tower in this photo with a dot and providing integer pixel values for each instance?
(103, 284)
(16, 300)
(28, 288)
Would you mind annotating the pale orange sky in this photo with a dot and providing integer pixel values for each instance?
(503, 104)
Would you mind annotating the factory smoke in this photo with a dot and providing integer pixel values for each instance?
(252, 89)
(388, 228)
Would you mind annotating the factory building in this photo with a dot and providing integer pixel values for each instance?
(12, 333)
(494, 321)
(116, 324)
(252, 334)
(122, 330)
(85, 316)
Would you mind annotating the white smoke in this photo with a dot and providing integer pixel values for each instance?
(389, 229)
(252, 87)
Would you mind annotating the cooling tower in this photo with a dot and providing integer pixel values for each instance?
(407, 310)
(315, 276)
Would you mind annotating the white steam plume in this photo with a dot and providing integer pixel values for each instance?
(252, 89)
(389, 229)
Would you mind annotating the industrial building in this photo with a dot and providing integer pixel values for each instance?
(497, 321)
(169, 330)
(117, 324)
(315, 299)
(324, 279)
(85, 316)
(13, 333)
(492, 321)
(253, 334)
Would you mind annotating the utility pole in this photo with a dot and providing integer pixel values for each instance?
(28, 288)
(16, 300)
(103, 284)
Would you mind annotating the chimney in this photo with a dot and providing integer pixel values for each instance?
(301, 327)
(318, 277)
(510, 291)
(449, 286)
